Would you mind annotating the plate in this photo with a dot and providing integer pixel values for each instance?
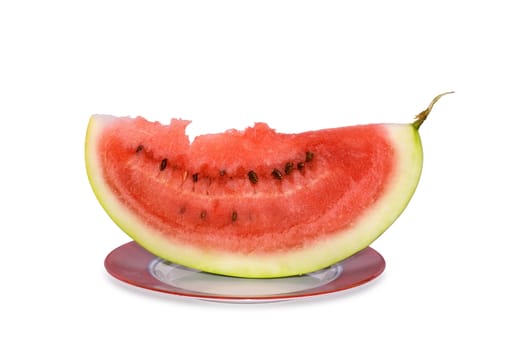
(134, 265)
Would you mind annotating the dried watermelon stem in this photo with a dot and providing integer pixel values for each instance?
(420, 118)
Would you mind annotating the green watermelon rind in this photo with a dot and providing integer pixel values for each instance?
(338, 246)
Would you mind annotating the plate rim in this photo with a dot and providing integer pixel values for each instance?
(136, 272)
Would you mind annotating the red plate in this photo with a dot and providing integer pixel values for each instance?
(134, 265)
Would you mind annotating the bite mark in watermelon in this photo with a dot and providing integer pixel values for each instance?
(253, 203)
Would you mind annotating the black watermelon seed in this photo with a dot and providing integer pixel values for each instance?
(234, 216)
(253, 177)
(222, 172)
(195, 177)
(309, 156)
(276, 174)
(163, 164)
(300, 165)
(203, 214)
(139, 148)
(288, 168)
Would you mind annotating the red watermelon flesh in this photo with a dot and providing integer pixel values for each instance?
(252, 203)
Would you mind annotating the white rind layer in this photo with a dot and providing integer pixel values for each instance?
(337, 247)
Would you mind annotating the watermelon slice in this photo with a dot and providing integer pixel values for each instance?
(253, 203)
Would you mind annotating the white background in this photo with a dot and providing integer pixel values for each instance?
(452, 276)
